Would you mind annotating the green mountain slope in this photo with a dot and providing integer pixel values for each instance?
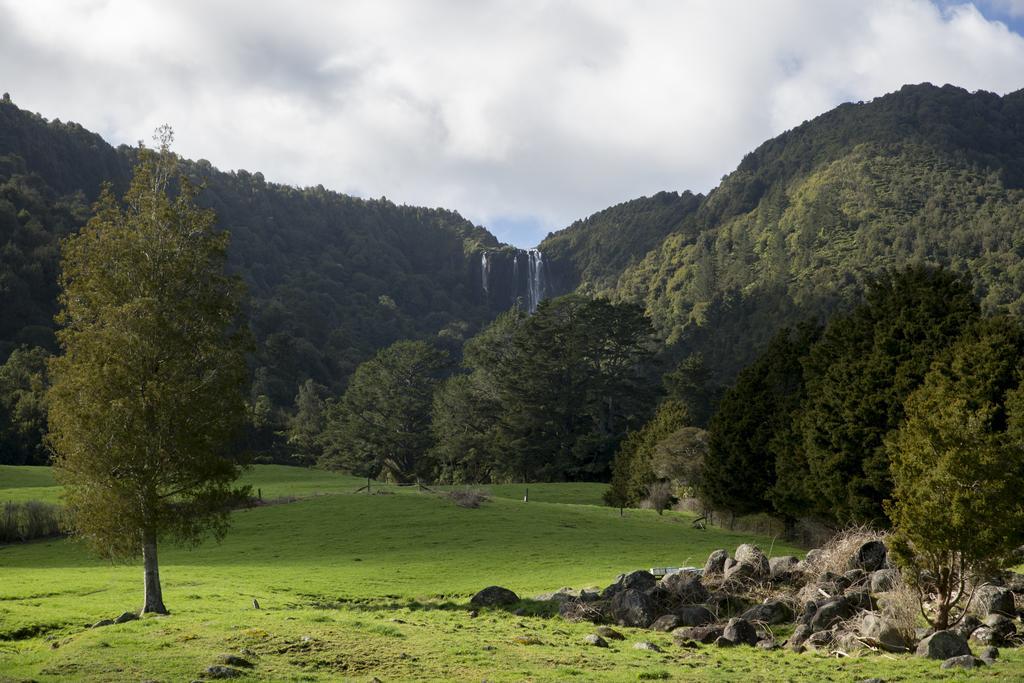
(332, 278)
(924, 175)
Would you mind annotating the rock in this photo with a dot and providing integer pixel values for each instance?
(726, 604)
(638, 581)
(800, 635)
(883, 633)
(808, 614)
(856, 577)
(235, 660)
(103, 622)
(812, 556)
(983, 635)
(871, 680)
(702, 634)
(667, 622)
(782, 567)
(821, 639)
(609, 633)
(943, 645)
(870, 557)
(218, 671)
(990, 654)
(1002, 628)
(695, 616)
(771, 612)
(751, 555)
(883, 580)
(595, 640)
(646, 645)
(797, 649)
(685, 587)
(632, 608)
(741, 632)
(494, 596)
(963, 662)
(722, 641)
(559, 596)
(989, 599)
(832, 583)
(831, 613)
(968, 625)
(861, 600)
(126, 616)
(715, 566)
(767, 644)
(576, 611)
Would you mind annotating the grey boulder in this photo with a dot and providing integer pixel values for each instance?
(494, 596)
(943, 645)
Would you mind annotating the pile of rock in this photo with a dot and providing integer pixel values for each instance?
(735, 600)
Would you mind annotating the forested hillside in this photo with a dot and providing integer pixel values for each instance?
(331, 278)
(925, 175)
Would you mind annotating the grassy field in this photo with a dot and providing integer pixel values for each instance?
(354, 586)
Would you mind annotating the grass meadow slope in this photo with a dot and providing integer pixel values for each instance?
(355, 586)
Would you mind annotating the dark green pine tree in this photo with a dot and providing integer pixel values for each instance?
(958, 469)
(753, 417)
(381, 425)
(858, 377)
(579, 376)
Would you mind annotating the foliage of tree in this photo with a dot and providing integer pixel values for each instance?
(306, 424)
(381, 425)
(148, 394)
(925, 175)
(958, 469)
(752, 421)
(23, 386)
(858, 376)
(578, 376)
(331, 278)
(592, 252)
(633, 470)
(547, 396)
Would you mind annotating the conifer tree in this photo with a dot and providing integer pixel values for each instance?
(148, 393)
(958, 469)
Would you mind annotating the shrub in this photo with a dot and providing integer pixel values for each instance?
(30, 520)
(467, 498)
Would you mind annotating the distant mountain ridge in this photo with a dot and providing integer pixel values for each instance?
(923, 175)
(332, 278)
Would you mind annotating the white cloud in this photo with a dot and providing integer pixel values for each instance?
(531, 111)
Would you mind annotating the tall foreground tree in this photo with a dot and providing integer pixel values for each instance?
(958, 469)
(149, 391)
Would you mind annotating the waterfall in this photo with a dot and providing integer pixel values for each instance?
(515, 272)
(536, 280)
(485, 272)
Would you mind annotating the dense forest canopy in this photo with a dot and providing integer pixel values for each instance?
(924, 177)
(331, 278)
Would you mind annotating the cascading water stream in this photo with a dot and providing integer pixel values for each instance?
(485, 272)
(536, 282)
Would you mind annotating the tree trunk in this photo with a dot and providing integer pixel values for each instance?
(154, 596)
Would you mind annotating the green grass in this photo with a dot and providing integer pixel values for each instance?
(357, 586)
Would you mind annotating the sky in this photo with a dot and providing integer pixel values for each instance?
(523, 115)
